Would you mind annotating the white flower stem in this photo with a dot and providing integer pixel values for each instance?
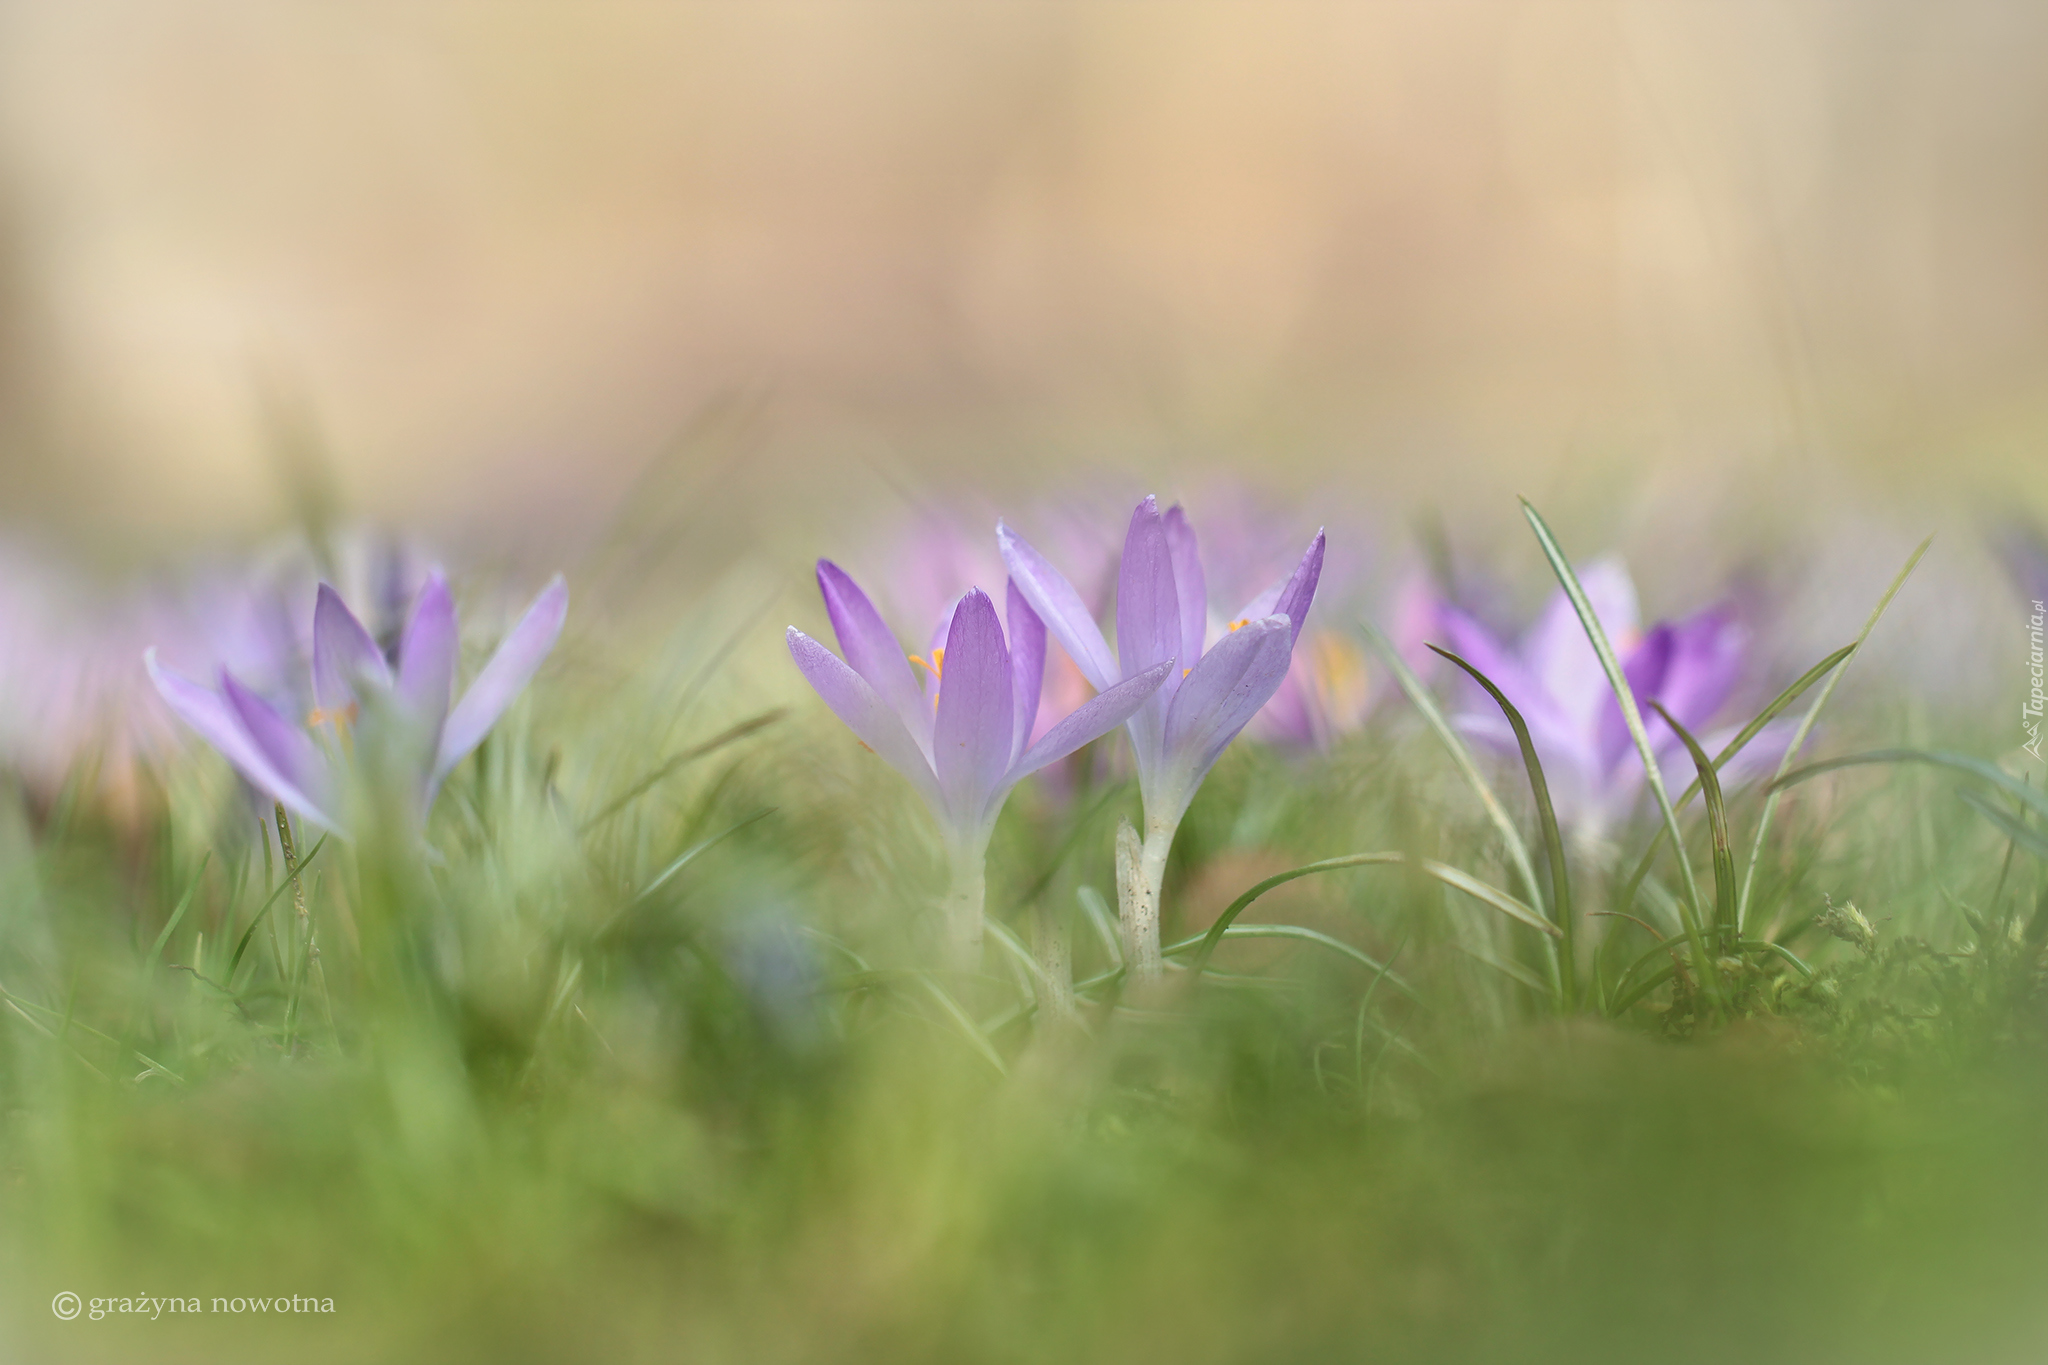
(1140, 872)
(1052, 945)
(964, 905)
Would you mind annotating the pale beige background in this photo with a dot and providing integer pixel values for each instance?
(502, 253)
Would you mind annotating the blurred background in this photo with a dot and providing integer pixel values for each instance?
(473, 269)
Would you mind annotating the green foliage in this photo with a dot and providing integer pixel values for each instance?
(644, 1055)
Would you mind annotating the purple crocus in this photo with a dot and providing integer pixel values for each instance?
(1209, 694)
(365, 705)
(1689, 666)
(962, 736)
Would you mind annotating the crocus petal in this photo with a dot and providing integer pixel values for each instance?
(426, 658)
(1148, 614)
(1226, 689)
(872, 650)
(220, 724)
(1095, 718)
(1557, 741)
(1190, 583)
(875, 723)
(1027, 665)
(1562, 658)
(1300, 588)
(502, 679)
(976, 722)
(1060, 608)
(291, 751)
(1707, 654)
(344, 654)
(1645, 668)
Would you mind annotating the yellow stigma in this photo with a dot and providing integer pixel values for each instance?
(1240, 624)
(937, 666)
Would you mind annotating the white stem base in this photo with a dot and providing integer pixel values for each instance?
(1140, 873)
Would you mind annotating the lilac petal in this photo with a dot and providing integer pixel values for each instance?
(1300, 588)
(1027, 665)
(1148, 626)
(220, 724)
(1707, 654)
(976, 722)
(871, 648)
(1189, 582)
(344, 654)
(292, 753)
(504, 677)
(1060, 608)
(1478, 646)
(426, 658)
(872, 721)
(1095, 718)
(1561, 656)
(1646, 670)
(1226, 689)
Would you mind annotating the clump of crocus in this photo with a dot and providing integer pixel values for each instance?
(1208, 695)
(364, 705)
(1690, 667)
(962, 735)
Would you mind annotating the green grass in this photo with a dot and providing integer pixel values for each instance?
(643, 1057)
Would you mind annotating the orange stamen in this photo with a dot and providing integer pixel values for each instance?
(341, 717)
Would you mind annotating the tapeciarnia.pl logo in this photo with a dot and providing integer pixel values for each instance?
(2030, 712)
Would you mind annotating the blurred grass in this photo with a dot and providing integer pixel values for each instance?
(565, 1113)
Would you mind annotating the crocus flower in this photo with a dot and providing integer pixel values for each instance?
(1209, 694)
(962, 738)
(1690, 667)
(363, 703)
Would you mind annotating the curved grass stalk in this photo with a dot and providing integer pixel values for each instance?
(1449, 876)
(1461, 756)
(1763, 826)
(1564, 961)
(1728, 751)
(1690, 907)
(1717, 826)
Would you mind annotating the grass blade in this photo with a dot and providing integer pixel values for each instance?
(1717, 825)
(170, 925)
(1728, 751)
(688, 855)
(2030, 796)
(268, 901)
(1204, 945)
(2018, 833)
(1097, 911)
(1461, 755)
(682, 760)
(1514, 971)
(1553, 843)
(1449, 876)
(1763, 825)
(1625, 697)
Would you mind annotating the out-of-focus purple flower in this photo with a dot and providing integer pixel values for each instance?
(962, 737)
(364, 701)
(1326, 693)
(1690, 666)
(1208, 695)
